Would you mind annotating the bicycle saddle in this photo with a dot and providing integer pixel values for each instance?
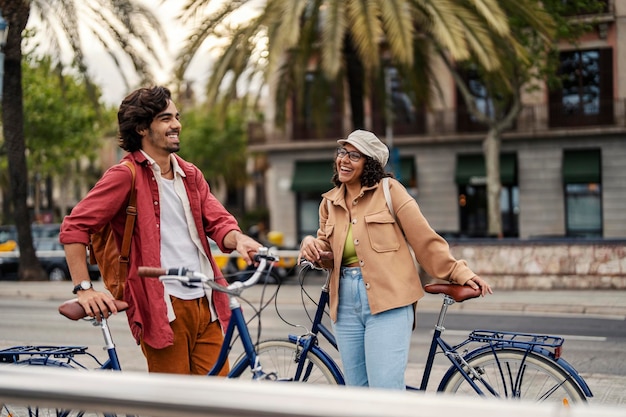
(458, 293)
(74, 311)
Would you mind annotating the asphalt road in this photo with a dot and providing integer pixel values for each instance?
(594, 342)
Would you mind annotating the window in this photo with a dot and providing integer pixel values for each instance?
(471, 180)
(407, 114)
(307, 207)
(585, 96)
(486, 103)
(583, 192)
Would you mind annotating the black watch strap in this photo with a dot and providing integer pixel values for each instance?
(84, 285)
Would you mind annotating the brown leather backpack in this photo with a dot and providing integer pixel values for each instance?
(113, 264)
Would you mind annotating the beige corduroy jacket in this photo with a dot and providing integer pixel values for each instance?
(389, 273)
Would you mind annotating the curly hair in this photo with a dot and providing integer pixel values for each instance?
(373, 172)
(137, 112)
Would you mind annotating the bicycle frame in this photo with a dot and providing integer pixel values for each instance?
(490, 340)
(237, 321)
(250, 358)
(309, 341)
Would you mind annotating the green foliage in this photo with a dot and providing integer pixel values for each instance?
(340, 39)
(61, 123)
(216, 143)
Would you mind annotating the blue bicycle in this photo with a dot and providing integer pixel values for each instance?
(77, 356)
(487, 363)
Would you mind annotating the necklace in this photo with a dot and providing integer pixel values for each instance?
(166, 172)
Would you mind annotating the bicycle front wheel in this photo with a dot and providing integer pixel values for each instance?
(516, 374)
(281, 358)
(9, 410)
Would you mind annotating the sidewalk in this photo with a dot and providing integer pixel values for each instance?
(578, 302)
(607, 389)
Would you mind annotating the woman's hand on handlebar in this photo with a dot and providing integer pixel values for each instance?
(312, 250)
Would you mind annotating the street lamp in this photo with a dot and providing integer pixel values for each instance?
(4, 32)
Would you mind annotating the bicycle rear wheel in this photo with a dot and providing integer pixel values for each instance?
(9, 410)
(281, 357)
(517, 374)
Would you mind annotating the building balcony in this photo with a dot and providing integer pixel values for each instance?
(533, 120)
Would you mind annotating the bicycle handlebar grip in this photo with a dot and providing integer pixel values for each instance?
(150, 271)
(326, 255)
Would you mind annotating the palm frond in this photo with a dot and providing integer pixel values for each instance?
(399, 29)
(333, 24)
(366, 30)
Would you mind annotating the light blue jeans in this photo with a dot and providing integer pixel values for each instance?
(374, 349)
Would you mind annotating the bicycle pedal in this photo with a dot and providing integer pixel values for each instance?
(271, 377)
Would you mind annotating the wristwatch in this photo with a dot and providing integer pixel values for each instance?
(84, 285)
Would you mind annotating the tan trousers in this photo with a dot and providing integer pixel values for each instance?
(197, 341)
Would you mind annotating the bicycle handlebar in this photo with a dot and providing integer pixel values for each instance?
(325, 262)
(188, 277)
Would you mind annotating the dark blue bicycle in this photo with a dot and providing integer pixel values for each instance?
(487, 363)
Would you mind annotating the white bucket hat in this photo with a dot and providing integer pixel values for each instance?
(368, 144)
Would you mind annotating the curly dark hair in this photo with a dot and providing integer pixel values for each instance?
(137, 111)
(373, 172)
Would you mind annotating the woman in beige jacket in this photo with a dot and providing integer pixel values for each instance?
(374, 282)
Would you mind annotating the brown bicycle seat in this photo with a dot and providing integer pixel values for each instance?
(74, 311)
(459, 293)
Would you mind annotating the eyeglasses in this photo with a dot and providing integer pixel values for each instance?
(353, 155)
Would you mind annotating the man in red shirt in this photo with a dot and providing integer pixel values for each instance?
(177, 327)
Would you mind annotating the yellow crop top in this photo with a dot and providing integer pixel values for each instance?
(349, 252)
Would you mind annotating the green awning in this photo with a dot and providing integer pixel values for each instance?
(581, 166)
(312, 176)
(470, 169)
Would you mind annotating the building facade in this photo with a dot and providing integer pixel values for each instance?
(561, 166)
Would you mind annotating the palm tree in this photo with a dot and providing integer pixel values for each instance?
(347, 39)
(125, 28)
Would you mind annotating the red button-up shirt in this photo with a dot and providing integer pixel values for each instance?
(107, 201)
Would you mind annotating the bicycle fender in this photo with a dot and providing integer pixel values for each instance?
(561, 363)
(325, 357)
(574, 374)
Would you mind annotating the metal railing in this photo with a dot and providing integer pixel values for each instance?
(159, 395)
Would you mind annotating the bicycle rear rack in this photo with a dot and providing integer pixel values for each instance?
(12, 355)
(526, 341)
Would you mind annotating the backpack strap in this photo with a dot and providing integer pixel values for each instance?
(393, 213)
(388, 196)
(131, 215)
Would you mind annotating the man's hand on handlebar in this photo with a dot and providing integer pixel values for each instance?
(244, 244)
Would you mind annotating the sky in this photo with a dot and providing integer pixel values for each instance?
(104, 72)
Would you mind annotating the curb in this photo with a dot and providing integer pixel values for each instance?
(603, 303)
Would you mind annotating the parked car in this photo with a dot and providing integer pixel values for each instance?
(50, 254)
(8, 234)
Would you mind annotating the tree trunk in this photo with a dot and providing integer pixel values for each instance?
(356, 84)
(491, 150)
(16, 14)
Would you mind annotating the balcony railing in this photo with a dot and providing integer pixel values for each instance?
(540, 118)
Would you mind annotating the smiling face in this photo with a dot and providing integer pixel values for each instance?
(161, 138)
(349, 171)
